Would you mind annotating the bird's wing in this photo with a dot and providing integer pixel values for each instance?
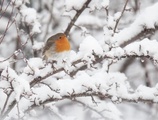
(47, 46)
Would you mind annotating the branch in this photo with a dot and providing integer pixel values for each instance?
(84, 66)
(91, 108)
(8, 111)
(143, 34)
(115, 99)
(97, 60)
(10, 22)
(117, 22)
(78, 13)
(97, 94)
(6, 101)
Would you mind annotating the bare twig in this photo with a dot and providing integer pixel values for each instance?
(85, 94)
(117, 22)
(18, 111)
(49, 21)
(97, 60)
(91, 108)
(2, 5)
(6, 101)
(126, 64)
(4, 11)
(147, 79)
(78, 13)
(3, 116)
(31, 39)
(9, 24)
(136, 5)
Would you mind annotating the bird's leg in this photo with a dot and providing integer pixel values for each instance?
(52, 63)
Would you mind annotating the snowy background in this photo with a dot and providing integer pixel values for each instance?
(110, 73)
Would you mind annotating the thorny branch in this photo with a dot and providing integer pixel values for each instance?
(97, 60)
(84, 66)
(89, 94)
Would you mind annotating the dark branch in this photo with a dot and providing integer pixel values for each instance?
(83, 67)
(117, 22)
(145, 33)
(78, 13)
(92, 93)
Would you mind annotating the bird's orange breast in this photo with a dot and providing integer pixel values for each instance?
(62, 45)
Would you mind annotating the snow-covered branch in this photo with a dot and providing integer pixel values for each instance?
(78, 13)
(89, 76)
(28, 15)
(144, 25)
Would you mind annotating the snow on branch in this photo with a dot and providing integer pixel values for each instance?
(137, 49)
(83, 77)
(79, 10)
(28, 15)
(103, 85)
(61, 83)
(112, 86)
(145, 24)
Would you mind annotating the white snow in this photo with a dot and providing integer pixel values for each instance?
(90, 20)
(3, 64)
(117, 15)
(87, 86)
(38, 45)
(28, 15)
(144, 47)
(98, 4)
(71, 4)
(33, 66)
(88, 46)
(105, 3)
(111, 22)
(145, 92)
(19, 3)
(148, 18)
(118, 52)
(19, 84)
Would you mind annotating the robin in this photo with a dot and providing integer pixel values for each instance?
(55, 46)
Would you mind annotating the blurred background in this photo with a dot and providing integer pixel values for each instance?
(54, 17)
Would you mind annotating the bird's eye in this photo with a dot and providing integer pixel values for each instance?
(59, 37)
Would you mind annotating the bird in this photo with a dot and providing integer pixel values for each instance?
(56, 47)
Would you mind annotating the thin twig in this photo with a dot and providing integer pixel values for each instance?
(1, 5)
(147, 78)
(18, 111)
(93, 93)
(6, 101)
(117, 22)
(98, 60)
(91, 108)
(2, 13)
(31, 39)
(9, 24)
(49, 21)
(78, 13)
